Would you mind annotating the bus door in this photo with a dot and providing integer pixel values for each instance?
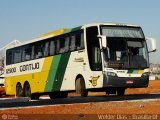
(94, 55)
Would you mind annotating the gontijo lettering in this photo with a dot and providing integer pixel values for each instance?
(28, 67)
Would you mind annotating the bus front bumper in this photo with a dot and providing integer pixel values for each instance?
(127, 82)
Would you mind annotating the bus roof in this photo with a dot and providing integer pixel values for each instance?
(114, 24)
(67, 30)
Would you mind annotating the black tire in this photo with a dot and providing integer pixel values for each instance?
(35, 96)
(111, 91)
(120, 91)
(27, 90)
(81, 88)
(58, 94)
(64, 94)
(19, 90)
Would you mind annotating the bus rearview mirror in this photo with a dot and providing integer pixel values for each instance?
(153, 44)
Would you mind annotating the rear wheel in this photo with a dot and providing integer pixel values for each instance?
(19, 90)
(27, 90)
(120, 91)
(81, 88)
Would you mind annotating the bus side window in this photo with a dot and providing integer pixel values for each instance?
(23, 54)
(17, 55)
(9, 56)
(26, 55)
(73, 41)
(78, 41)
(52, 48)
(62, 45)
(39, 50)
(46, 49)
(33, 52)
(66, 43)
(82, 41)
(57, 46)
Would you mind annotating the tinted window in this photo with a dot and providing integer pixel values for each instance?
(46, 49)
(9, 57)
(56, 45)
(26, 52)
(52, 47)
(17, 55)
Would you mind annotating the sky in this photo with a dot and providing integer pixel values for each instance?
(26, 19)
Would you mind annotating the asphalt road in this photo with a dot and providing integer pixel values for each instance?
(23, 102)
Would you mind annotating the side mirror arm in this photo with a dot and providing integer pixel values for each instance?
(103, 40)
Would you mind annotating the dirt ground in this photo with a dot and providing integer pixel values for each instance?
(93, 110)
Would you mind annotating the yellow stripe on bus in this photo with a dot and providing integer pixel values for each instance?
(54, 33)
(44, 73)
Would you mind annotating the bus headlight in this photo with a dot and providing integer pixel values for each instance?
(111, 74)
(145, 74)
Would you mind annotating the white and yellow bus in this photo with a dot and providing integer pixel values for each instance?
(94, 57)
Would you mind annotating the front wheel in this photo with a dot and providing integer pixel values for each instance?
(81, 88)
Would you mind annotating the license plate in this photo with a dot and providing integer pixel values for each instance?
(129, 81)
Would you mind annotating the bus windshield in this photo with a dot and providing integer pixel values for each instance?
(127, 32)
(126, 48)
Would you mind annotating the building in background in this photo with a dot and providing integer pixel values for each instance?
(1, 65)
(155, 71)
